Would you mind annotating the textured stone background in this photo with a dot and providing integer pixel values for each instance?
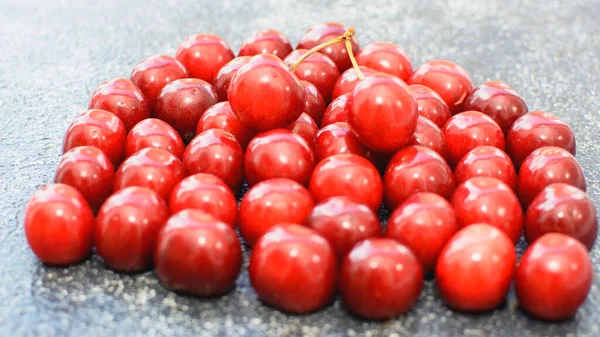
(54, 53)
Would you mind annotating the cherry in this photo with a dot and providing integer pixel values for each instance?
(272, 202)
(224, 76)
(380, 279)
(544, 166)
(216, 151)
(127, 226)
(151, 167)
(197, 254)
(100, 129)
(90, 171)
(121, 97)
(154, 72)
(336, 111)
(337, 138)
(554, 277)
(475, 268)
(348, 81)
(416, 169)
(314, 105)
(499, 101)
(268, 41)
(293, 268)
(424, 223)
(382, 113)
(203, 55)
(304, 127)
(208, 193)
(59, 225)
(153, 132)
(468, 130)
(430, 104)
(317, 69)
(486, 161)
(386, 58)
(428, 134)
(220, 116)
(324, 32)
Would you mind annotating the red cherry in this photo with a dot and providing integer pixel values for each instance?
(554, 277)
(224, 76)
(380, 279)
(90, 171)
(337, 138)
(348, 81)
(273, 202)
(220, 116)
(208, 193)
(154, 168)
(267, 41)
(314, 106)
(430, 104)
(416, 169)
(203, 55)
(121, 97)
(197, 254)
(216, 151)
(544, 166)
(153, 73)
(304, 127)
(475, 268)
(153, 132)
(382, 113)
(324, 32)
(486, 161)
(468, 130)
(424, 223)
(344, 222)
(336, 111)
(100, 129)
(59, 225)
(127, 227)
(317, 69)
(386, 58)
(293, 268)
(428, 134)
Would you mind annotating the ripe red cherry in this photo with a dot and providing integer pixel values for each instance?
(90, 171)
(304, 127)
(534, 130)
(223, 77)
(337, 138)
(564, 209)
(151, 167)
(324, 32)
(216, 151)
(554, 277)
(428, 134)
(380, 279)
(59, 225)
(272, 202)
(545, 166)
(486, 161)
(153, 73)
(317, 69)
(499, 101)
(382, 113)
(416, 169)
(386, 58)
(344, 222)
(293, 268)
(336, 111)
(348, 81)
(430, 104)
(121, 97)
(468, 130)
(197, 254)
(220, 116)
(203, 55)
(424, 223)
(314, 106)
(208, 193)
(153, 132)
(100, 129)
(475, 268)
(268, 41)
(127, 226)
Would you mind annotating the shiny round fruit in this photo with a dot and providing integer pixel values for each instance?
(486, 161)
(336, 111)
(314, 105)
(430, 104)
(121, 97)
(223, 78)
(386, 58)
(268, 41)
(428, 134)
(153, 73)
(153, 132)
(305, 127)
(327, 31)
(348, 81)
(220, 116)
(317, 69)
(337, 138)
(203, 55)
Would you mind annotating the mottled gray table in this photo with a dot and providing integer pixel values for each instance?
(53, 53)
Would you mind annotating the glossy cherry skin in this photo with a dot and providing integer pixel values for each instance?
(294, 269)
(554, 277)
(545, 166)
(121, 97)
(208, 193)
(151, 167)
(429, 135)
(314, 105)
(324, 32)
(268, 41)
(475, 268)
(537, 129)
(218, 152)
(430, 105)
(197, 254)
(153, 73)
(153, 132)
(336, 111)
(337, 138)
(344, 222)
(59, 225)
(127, 226)
(486, 161)
(348, 81)
(317, 69)
(224, 76)
(220, 116)
(424, 223)
(203, 55)
(382, 113)
(304, 127)
(499, 101)
(386, 58)
(90, 171)
(380, 279)
(468, 130)
(416, 169)
(273, 202)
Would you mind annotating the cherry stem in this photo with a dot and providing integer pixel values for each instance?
(359, 73)
(347, 36)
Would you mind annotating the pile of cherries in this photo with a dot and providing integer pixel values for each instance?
(323, 135)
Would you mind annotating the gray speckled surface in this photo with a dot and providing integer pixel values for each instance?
(54, 53)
